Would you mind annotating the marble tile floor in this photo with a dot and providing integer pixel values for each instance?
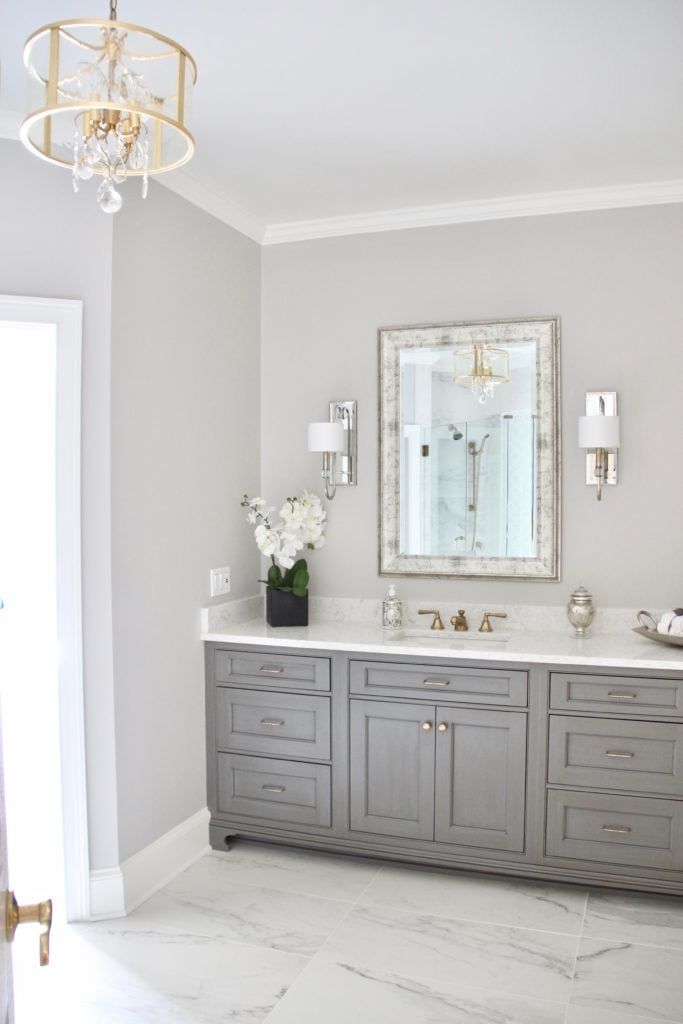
(285, 936)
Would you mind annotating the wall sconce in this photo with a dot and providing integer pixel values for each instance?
(337, 436)
(599, 435)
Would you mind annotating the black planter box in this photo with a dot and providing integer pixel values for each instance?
(285, 609)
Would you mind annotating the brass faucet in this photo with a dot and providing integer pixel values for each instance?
(437, 623)
(459, 621)
(486, 626)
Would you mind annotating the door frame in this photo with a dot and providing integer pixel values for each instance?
(67, 316)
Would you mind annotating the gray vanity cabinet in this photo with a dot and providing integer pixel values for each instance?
(454, 775)
(543, 771)
(392, 768)
(480, 778)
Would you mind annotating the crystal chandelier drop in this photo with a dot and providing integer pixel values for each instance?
(482, 368)
(111, 99)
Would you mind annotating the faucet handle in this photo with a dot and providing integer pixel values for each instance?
(486, 626)
(437, 623)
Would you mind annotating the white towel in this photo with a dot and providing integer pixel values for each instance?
(676, 627)
(671, 623)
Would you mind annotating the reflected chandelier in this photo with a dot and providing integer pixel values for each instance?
(482, 368)
(108, 99)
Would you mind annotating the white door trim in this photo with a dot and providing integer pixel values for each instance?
(67, 315)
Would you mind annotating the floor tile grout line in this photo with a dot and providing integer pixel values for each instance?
(465, 920)
(576, 956)
(277, 888)
(297, 979)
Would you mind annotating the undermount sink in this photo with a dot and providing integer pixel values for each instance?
(451, 636)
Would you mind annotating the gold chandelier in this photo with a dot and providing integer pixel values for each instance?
(108, 99)
(482, 368)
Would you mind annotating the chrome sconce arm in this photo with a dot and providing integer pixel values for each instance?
(329, 474)
(337, 440)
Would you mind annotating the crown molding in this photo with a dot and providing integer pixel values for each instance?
(206, 198)
(531, 205)
(501, 208)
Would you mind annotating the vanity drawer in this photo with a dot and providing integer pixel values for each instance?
(281, 670)
(283, 791)
(465, 685)
(605, 753)
(618, 695)
(292, 724)
(642, 832)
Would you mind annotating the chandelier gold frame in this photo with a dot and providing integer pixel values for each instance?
(56, 106)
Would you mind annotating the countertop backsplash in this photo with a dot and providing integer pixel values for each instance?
(536, 618)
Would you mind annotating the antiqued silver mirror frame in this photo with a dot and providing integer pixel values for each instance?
(545, 331)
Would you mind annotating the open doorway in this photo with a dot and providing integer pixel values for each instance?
(41, 686)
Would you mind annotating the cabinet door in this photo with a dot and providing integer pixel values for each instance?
(480, 778)
(392, 768)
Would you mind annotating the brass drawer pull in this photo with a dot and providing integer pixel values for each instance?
(272, 721)
(622, 696)
(271, 670)
(426, 726)
(437, 682)
(273, 789)
(619, 753)
(443, 726)
(614, 828)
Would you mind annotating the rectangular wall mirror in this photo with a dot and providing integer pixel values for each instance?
(469, 449)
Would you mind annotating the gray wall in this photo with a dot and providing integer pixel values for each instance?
(613, 277)
(58, 245)
(185, 447)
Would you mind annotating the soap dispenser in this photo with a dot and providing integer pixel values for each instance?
(392, 610)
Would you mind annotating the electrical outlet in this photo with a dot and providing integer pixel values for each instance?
(220, 581)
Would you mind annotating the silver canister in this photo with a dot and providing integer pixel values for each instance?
(581, 611)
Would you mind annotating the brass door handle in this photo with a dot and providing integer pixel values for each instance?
(426, 726)
(32, 913)
(443, 726)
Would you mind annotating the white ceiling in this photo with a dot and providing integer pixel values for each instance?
(317, 109)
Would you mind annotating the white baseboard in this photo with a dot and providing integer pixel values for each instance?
(106, 894)
(115, 892)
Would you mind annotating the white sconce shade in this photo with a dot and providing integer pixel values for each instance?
(326, 437)
(598, 431)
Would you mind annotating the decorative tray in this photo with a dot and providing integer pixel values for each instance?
(652, 634)
(660, 638)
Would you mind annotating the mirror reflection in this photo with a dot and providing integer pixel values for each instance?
(468, 423)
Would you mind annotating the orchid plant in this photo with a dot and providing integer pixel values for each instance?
(302, 525)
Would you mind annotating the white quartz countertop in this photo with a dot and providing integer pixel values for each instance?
(607, 650)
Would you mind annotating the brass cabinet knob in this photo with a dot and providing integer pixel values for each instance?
(426, 726)
(36, 913)
(443, 726)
